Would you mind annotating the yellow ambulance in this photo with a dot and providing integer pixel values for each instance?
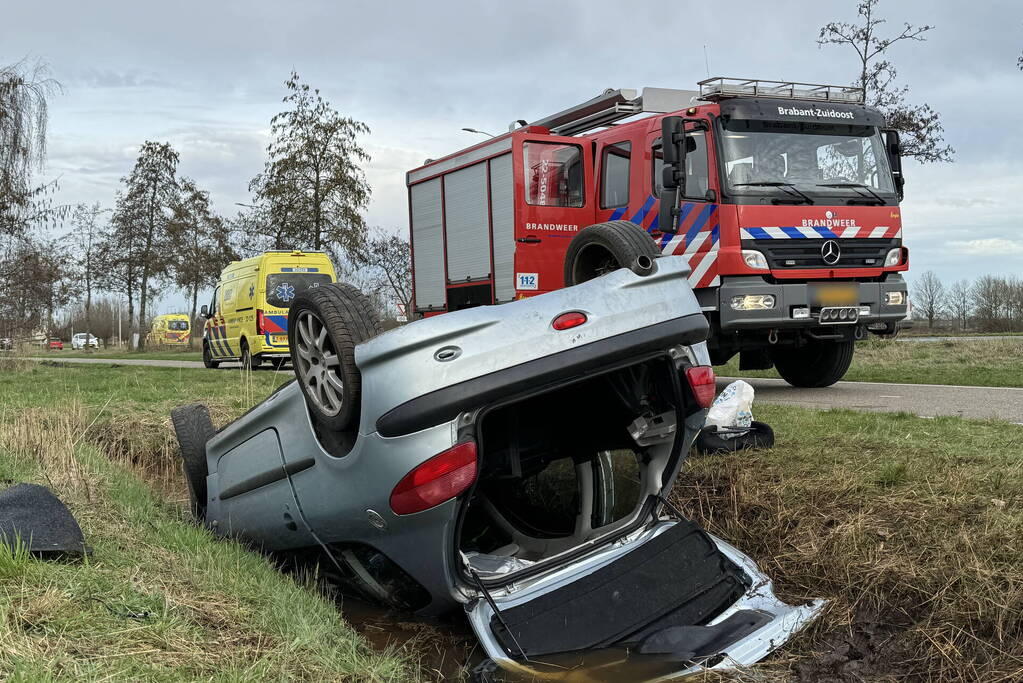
(172, 329)
(247, 319)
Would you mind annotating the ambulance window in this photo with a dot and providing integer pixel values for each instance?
(554, 174)
(282, 288)
(215, 305)
(614, 165)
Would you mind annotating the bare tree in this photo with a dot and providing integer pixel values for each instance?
(920, 125)
(929, 297)
(86, 234)
(960, 302)
(312, 182)
(198, 242)
(388, 261)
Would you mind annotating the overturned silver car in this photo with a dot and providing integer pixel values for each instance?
(512, 461)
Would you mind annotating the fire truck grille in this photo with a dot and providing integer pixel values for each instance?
(806, 253)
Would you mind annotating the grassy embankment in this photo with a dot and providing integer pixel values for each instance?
(159, 599)
(158, 354)
(984, 363)
(912, 528)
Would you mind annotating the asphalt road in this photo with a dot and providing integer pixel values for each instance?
(927, 400)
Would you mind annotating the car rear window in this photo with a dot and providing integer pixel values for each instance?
(177, 325)
(282, 288)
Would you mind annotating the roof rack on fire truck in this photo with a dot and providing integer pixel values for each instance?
(721, 87)
(613, 105)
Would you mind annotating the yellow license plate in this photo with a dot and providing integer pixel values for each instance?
(834, 294)
(279, 339)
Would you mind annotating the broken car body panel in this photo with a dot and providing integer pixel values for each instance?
(596, 417)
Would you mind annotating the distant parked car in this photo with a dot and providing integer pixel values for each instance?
(6, 344)
(82, 339)
(55, 344)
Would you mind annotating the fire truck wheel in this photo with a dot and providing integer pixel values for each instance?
(604, 247)
(817, 364)
(324, 326)
(193, 427)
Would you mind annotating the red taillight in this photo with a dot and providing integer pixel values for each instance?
(260, 325)
(440, 478)
(701, 379)
(567, 321)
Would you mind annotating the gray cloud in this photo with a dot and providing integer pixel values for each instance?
(207, 76)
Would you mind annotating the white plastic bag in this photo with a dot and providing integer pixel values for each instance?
(732, 409)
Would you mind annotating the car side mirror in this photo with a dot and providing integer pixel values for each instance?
(204, 311)
(668, 212)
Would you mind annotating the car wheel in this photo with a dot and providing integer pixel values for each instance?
(207, 358)
(604, 247)
(324, 326)
(816, 364)
(193, 427)
(249, 362)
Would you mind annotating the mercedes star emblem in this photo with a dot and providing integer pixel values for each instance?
(831, 252)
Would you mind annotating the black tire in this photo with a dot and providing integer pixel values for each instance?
(193, 427)
(815, 364)
(249, 362)
(760, 435)
(207, 358)
(332, 390)
(604, 247)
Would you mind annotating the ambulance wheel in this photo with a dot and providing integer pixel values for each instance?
(604, 247)
(193, 427)
(324, 326)
(207, 358)
(249, 362)
(816, 364)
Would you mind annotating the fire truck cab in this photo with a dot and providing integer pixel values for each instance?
(782, 196)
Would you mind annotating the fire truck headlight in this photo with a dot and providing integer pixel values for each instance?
(894, 257)
(754, 259)
(753, 302)
(895, 298)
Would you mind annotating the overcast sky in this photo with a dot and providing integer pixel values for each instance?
(207, 76)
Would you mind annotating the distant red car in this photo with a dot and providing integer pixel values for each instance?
(55, 345)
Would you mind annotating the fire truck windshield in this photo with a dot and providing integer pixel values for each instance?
(820, 161)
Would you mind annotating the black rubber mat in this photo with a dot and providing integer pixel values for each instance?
(679, 578)
(42, 522)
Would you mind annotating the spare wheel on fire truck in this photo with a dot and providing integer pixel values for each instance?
(604, 247)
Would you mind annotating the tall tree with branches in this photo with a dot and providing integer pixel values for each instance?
(86, 235)
(929, 296)
(198, 242)
(388, 261)
(312, 181)
(920, 126)
(137, 247)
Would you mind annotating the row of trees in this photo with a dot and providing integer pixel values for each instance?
(990, 303)
(163, 229)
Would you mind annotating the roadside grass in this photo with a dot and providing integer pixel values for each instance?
(982, 363)
(910, 527)
(159, 598)
(155, 354)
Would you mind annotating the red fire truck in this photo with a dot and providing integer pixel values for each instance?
(784, 198)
